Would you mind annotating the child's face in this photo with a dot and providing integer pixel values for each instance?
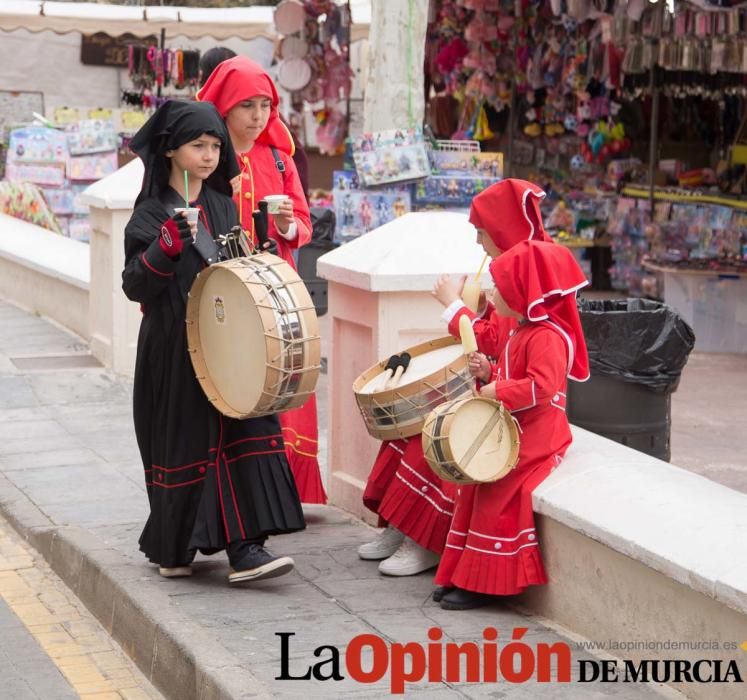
(248, 119)
(487, 244)
(199, 157)
(501, 307)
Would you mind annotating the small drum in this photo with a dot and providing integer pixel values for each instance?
(437, 372)
(471, 441)
(294, 74)
(253, 336)
(289, 16)
(293, 47)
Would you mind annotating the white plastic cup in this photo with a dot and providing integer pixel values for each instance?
(274, 201)
(192, 214)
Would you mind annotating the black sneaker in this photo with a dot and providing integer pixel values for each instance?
(257, 564)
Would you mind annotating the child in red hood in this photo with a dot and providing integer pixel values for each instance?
(246, 98)
(492, 548)
(402, 488)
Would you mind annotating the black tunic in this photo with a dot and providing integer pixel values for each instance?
(210, 479)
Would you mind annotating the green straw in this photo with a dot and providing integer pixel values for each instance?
(186, 190)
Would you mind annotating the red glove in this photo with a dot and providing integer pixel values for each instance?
(175, 235)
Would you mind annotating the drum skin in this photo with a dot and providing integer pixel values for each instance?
(253, 336)
(471, 441)
(400, 412)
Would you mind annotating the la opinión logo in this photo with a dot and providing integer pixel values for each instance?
(486, 662)
(368, 659)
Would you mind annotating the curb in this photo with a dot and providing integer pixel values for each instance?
(174, 653)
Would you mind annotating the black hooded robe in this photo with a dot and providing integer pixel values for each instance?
(211, 480)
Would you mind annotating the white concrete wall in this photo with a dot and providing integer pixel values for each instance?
(44, 273)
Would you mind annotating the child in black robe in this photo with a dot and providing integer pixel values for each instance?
(213, 482)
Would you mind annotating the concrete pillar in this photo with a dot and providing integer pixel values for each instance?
(380, 303)
(114, 321)
(396, 52)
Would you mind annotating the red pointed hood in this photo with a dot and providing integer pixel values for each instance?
(239, 79)
(509, 211)
(539, 280)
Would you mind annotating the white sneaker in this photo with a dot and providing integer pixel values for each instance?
(386, 543)
(175, 571)
(408, 560)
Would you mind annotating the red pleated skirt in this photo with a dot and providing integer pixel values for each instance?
(403, 490)
(492, 545)
(301, 436)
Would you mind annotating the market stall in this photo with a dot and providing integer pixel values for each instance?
(585, 98)
(51, 150)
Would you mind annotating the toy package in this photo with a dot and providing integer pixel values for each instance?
(93, 167)
(37, 144)
(449, 190)
(384, 157)
(457, 177)
(359, 211)
(79, 228)
(92, 136)
(60, 200)
(52, 175)
(467, 164)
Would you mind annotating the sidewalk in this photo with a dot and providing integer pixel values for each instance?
(71, 483)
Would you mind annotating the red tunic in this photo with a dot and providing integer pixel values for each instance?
(259, 178)
(492, 544)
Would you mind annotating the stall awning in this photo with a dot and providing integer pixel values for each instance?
(192, 22)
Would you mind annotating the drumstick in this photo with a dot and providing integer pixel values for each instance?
(479, 272)
(262, 232)
(467, 334)
(404, 363)
(391, 365)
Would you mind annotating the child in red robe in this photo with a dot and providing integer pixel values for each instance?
(492, 547)
(246, 98)
(402, 489)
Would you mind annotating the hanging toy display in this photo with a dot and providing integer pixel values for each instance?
(314, 55)
(151, 69)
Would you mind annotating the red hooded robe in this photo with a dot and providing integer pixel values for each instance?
(402, 488)
(232, 82)
(492, 545)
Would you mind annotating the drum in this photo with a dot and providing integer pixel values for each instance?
(293, 47)
(294, 74)
(253, 336)
(289, 16)
(437, 372)
(471, 441)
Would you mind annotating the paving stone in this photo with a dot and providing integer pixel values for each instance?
(26, 671)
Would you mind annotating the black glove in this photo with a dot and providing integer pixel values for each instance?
(269, 246)
(176, 234)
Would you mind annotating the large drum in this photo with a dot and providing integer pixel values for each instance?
(253, 336)
(437, 372)
(471, 441)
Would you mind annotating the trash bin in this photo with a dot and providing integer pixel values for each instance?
(323, 229)
(637, 350)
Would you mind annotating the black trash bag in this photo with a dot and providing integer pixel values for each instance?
(323, 222)
(636, 340)
(323, 229)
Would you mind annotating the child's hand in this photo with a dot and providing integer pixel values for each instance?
(479, 367)
(448, 291)
(488, 391)
(236, 184)
(284, 218)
